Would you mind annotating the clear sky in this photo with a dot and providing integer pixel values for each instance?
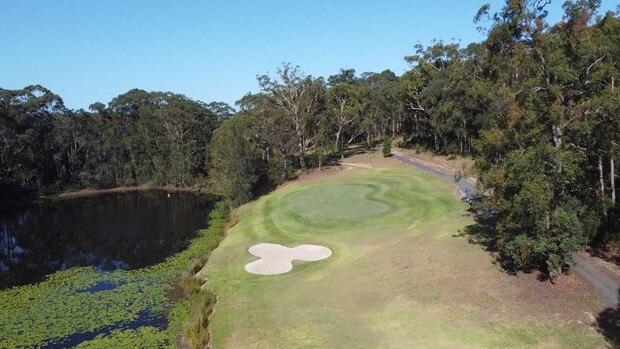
(88, 51)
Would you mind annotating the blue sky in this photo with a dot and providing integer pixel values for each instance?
(88, 51)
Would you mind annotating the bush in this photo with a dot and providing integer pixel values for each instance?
(419, 149)
(387, 146)
(400, 143)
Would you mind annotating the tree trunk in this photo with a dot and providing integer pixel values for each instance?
(302, 160)
(557, 140)
(612, 180)
(557, 135)
(302, 152)
(338, 146)
(600, 176)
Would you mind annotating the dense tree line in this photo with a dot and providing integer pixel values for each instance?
(547, 152)
(536, 105)
(138, 138)
(297, 118)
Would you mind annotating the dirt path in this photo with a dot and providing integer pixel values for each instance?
(466, 188)
(607, 287)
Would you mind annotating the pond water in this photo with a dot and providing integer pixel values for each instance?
(108, 231)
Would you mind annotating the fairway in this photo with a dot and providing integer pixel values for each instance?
(398, 277)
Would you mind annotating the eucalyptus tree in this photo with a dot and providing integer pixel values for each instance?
(381, 103)
(234, 161)
(537, 155)
(301, 97)
(591, 47)
(75, 137)
(222, 110)
(345, 113)
(272, 134)
(26, 122)
(445, 95)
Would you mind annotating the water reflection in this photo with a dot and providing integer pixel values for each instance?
(108, 231)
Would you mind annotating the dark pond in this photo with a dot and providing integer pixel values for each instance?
(108, 231)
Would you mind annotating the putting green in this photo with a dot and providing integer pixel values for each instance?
(397, 278)
(339, 201)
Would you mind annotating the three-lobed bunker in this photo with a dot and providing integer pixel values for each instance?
(278, 259)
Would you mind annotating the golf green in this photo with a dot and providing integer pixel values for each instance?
(338, 202)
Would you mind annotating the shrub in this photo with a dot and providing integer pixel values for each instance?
(387, 146)
(419, 149)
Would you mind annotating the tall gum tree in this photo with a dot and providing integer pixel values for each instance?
(345, 108)
(299, 95)
(535, 183)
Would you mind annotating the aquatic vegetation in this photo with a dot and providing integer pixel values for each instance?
(58, 309)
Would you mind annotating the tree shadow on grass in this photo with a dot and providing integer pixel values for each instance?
(606, 252)
(483, 233)
(357, 149)
(608, 324)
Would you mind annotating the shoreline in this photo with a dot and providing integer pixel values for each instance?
(123, 189)
(70, 194)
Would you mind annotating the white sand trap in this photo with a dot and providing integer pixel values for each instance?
(278, 259)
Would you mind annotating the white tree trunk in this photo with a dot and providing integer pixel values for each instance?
(612, 180)
(601, 177)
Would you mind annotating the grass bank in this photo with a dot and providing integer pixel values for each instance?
(399, 276)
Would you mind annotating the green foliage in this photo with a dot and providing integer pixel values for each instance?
(26, 123)
(547, 134)
(387, 146)
(56, 308)
(234, 162)
(419, 148)
(299, 98)
(195, 328)
(139, 138)
(447, 96)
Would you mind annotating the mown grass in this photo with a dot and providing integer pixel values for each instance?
(398, 278)
(47, 313)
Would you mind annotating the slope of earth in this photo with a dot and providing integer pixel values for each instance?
(398, 276)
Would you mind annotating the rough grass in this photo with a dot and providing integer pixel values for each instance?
(398, 278)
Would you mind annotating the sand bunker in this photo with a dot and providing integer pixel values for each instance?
(277, 259)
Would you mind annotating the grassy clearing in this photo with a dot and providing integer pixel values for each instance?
(398, 277)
